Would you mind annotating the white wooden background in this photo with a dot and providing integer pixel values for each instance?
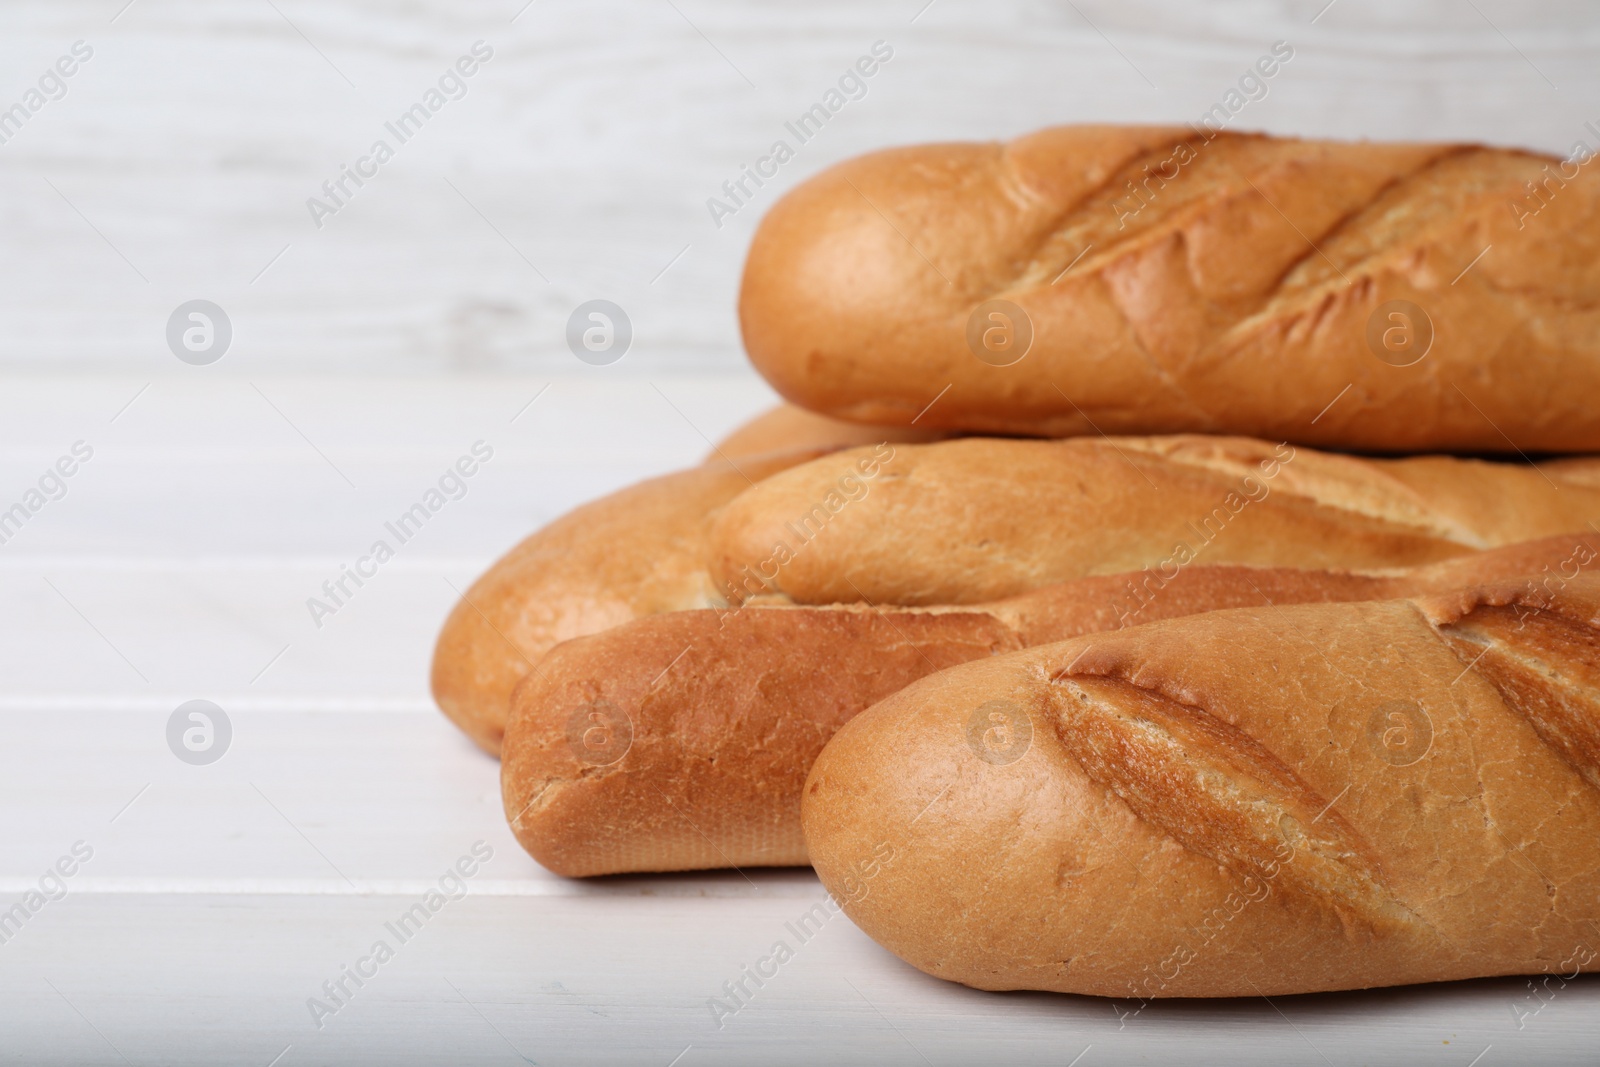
(370, 353)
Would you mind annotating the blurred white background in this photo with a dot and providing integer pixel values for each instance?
(591, 140)
(423, 316)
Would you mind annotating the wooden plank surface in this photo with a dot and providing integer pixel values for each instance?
(423, 318)
(219, 898)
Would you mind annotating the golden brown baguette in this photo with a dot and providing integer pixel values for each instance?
(976, 519)
(1256, 801)
(786, 428)
(679, 742)
(1179, 281)
(636, 552)
(682, 741)
(968, 521)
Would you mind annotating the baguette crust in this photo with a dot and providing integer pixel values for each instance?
(725, 711)
(1232, 292)
(976, 519)
(681, 742)
(787, 428)
(1255, 801)
(636, 552)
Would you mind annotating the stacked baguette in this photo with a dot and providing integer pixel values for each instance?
(1169, 712)
(708, 721)
(1410, 796)
(1176, 281)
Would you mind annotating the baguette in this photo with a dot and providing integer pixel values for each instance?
(1258, 801)
(636, 552)
(968, 521)
(1175, 280)
(682, 741)
(977, 519)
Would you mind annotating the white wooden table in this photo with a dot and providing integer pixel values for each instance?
(369, 354)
